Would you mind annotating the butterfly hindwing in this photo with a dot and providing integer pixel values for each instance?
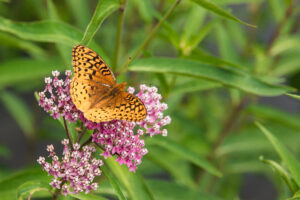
(123, 107)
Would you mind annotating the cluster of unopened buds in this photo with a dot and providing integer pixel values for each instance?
(115, 137)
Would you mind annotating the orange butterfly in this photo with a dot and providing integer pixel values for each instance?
(95, 92)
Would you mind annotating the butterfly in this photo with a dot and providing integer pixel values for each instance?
(95, 92)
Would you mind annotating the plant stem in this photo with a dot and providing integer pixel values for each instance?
(81, 133)
(87, 141)
(227, 127)
(119, 35)
(150, 36)
(67, 132)
(233, 116)
(99, 146)
(288, 13)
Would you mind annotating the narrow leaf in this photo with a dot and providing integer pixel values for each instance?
(295, 96)
(169, 190)
(113, 183)
(29, 47)
(290, 161)
(185, 154)
(80, 11)
(233, 78)
(219, 11)
(133, 182)
(9, 186)
(29, 188)
(22, 70)
(89, 196)
(47, 31)
(283, 173)
(103, 10)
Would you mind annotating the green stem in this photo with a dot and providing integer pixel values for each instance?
(151, 35)
(80, 135)
(288, 13)
(119, 35)
(67, 132)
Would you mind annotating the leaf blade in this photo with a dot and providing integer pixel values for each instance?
(291, 162)
(185, 153)
(234, 78)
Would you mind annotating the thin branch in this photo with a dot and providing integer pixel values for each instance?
(119, 35)
(151, 35)
(98, 145)
(288, 13)
(81, 133)
(227, 127)
(87, 141)
(67, 132)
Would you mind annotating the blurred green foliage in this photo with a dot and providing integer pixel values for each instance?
(212, 63)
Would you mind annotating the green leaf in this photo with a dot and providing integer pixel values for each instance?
(184, 153)
(164, 190)
(31, 48)
(194, 85)
(277, 9)
(282, 173)
(193, 26)
(47, 31)
(19, 111)
(113, 183)
(9, 186)
(290, 161)
(233, 78)
(133, 182)
(296, 196)
(80, 11)
(219, 11)
(103, 10)
(295, 96)
(42, 31)
(29, 188)
(24, 70)
(89, 196)
(272, 114)
(205, 57)
(178, 168)
(145, 9)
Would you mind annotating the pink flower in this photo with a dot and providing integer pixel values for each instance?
(76, 171)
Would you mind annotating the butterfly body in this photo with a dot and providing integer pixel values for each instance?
(95, 92)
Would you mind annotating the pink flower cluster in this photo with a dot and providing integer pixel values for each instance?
(116, 137)
(56, 97)
(77, 170)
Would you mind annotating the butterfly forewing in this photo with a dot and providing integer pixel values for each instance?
(94, 90)
(88, 64)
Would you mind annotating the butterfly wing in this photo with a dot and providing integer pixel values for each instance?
(91, 90)
(124, 106)
(87, 93)
(87, 64)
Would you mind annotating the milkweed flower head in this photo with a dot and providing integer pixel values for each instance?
(117, 138)
(76, 171)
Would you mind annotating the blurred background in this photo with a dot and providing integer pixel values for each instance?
(200, 109)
